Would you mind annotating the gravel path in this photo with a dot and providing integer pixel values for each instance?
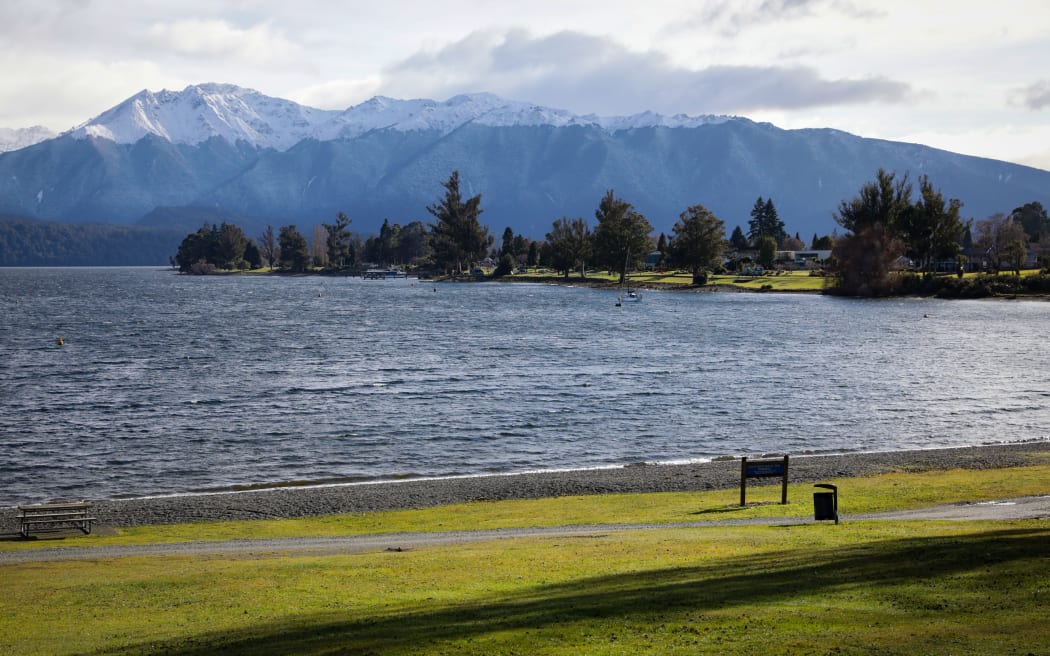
(290, 502)
(1005, 509)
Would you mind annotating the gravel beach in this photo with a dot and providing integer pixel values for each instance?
(287, 502)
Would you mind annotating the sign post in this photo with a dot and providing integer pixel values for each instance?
(763, 469)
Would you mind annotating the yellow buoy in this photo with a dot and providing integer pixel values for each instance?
(60, 340)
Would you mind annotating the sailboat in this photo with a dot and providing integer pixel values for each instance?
(629, 295)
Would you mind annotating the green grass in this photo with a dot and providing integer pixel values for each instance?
(789, 281)
(891, 491)
(855, 588)
(861, 588)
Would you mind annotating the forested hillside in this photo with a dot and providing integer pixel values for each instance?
(26, 242)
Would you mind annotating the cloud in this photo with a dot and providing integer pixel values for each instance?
(731, 17)
(337, 94)
(211, 38)
(587, 73)
(1035, 96)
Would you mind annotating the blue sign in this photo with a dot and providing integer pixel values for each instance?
(765, 470)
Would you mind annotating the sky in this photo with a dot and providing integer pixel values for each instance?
(966, 76)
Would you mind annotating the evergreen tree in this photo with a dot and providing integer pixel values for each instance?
(1033, 218)
(738, 241)
(411, 244)
(252, 256)
(458, 238)
(866, 257)
(931, 228)
(534, 254)
(337, 242)
(622, 235)
(212, 247)
(507, 243)
(230, 243)
(295, 254)
(698, 242)
(825, 243)
(765, 222)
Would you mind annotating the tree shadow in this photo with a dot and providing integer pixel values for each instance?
(759, 579)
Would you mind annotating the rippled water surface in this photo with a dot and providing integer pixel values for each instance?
(170, 384)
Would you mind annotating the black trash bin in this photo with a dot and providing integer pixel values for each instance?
(826, 504)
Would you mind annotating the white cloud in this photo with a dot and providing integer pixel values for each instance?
(874, 68)
(1035, 96)
(597, 74)
(212, 38)
(338, 94)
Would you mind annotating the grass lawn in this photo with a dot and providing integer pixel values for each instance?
(856, 588)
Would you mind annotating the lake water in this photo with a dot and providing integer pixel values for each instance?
(171, 384)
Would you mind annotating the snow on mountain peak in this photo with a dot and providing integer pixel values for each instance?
(200, 112)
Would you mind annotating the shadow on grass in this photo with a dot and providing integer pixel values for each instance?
(766, 578)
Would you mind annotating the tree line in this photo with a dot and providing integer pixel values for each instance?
(31, 242)
(882, 224)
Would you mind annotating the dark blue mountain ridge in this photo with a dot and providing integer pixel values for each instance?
(529, 173)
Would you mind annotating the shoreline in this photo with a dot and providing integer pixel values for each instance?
(307, 501)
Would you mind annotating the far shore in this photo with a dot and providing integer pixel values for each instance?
(306, 501)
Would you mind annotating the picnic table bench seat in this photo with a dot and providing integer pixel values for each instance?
(46, 516)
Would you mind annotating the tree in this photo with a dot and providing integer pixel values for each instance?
(571, 245)
(737, 241)
(622, 235)
(337, 242)
(1002, 241)
(825, 243)
(792, 244)
(230, 244)
(252, 256)
(268, 246)
(317, 247)
(411, 242)
(1033, 217)
(765, 222)
(507, 243)
(698, 241)
(930, 228)
(295, 255)
(866, 258)
(663, 249)
(212, 247)
(457, 237)
(767, 251)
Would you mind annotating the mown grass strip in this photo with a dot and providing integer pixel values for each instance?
(894, 491)
(857, 588)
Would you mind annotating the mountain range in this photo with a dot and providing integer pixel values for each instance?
(175, 158)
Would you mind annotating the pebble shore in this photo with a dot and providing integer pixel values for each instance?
(290, 502)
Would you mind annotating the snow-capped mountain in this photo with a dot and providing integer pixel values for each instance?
(18, 138)
(200, 112)
(215, 152)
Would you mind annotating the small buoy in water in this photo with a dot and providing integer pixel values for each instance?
(60, 341)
